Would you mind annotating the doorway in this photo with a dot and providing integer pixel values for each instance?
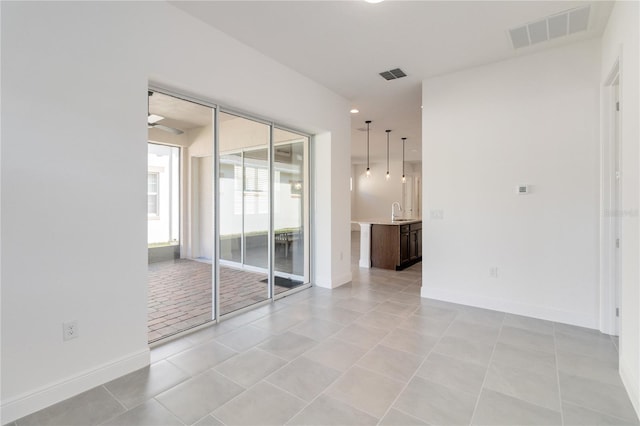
(611, 184)
(239, 233)
(411, 196)
(179, 215)
(617, 202)
(262, 203)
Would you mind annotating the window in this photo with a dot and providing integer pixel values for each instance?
(256, 186)
(237, 190)
(256, 179)
(152, 194)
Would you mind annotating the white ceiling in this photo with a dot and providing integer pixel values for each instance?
(343, 45)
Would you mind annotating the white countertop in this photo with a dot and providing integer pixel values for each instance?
(389, 221)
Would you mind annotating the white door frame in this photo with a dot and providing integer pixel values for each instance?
(610, 204)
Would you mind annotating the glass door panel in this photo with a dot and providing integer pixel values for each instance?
(244, 212)
(231, 208)
(180, 215)
(247, 231)
(256, 209)
(290, 236)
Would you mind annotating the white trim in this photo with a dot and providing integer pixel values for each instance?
(28, 403)
(608, 221)
(290, 276)
(215, 284)
(365, 245)
(306, 208)
(243, 267)
(533, 311)
(630, 386)
(292, 291)
(334, 281)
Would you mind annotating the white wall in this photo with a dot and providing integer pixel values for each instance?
(74, 98)
(531, 120)
(197, 174)
(372, 196)
(354, 189)
(621, 39)
(200, 141)
(237, 133)
(330, 208)
(205, 207)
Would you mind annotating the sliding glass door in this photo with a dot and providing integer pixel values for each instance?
(180, 220)
(244, 208)
(227, 201)
(263, 204)
(290, 212)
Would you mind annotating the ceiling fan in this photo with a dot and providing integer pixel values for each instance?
(152, 122)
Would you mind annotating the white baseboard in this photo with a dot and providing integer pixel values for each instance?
(524, 309)
(334, 281)
(342, 280)
(365, 263)
(28, 403)
(631, 387)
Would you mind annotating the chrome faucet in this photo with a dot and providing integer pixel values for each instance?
(393, 210)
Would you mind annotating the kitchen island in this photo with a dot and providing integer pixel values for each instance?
(390, 244)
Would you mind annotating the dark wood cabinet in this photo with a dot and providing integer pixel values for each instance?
(415, 241)
(396, 246)
(405, 247)
(413, 246)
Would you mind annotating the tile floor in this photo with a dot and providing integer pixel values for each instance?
(371, 352)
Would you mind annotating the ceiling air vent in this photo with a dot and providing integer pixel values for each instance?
(559, 25)
(393, 74)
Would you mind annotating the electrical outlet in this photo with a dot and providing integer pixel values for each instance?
(69, 330)
(341, 255)
(493, 272)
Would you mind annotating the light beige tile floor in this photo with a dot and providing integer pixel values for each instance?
(370, 352)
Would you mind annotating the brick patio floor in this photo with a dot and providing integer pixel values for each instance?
(180, 294)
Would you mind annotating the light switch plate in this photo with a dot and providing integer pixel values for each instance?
(436, 214)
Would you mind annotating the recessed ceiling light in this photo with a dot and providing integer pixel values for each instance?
(354, 111)
(373, 1)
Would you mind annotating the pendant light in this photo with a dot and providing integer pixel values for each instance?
(388, 131)
(368, 169)
(403, 178)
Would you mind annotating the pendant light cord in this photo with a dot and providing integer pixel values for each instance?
(388, 131)
(368, 123)
(403, 141)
